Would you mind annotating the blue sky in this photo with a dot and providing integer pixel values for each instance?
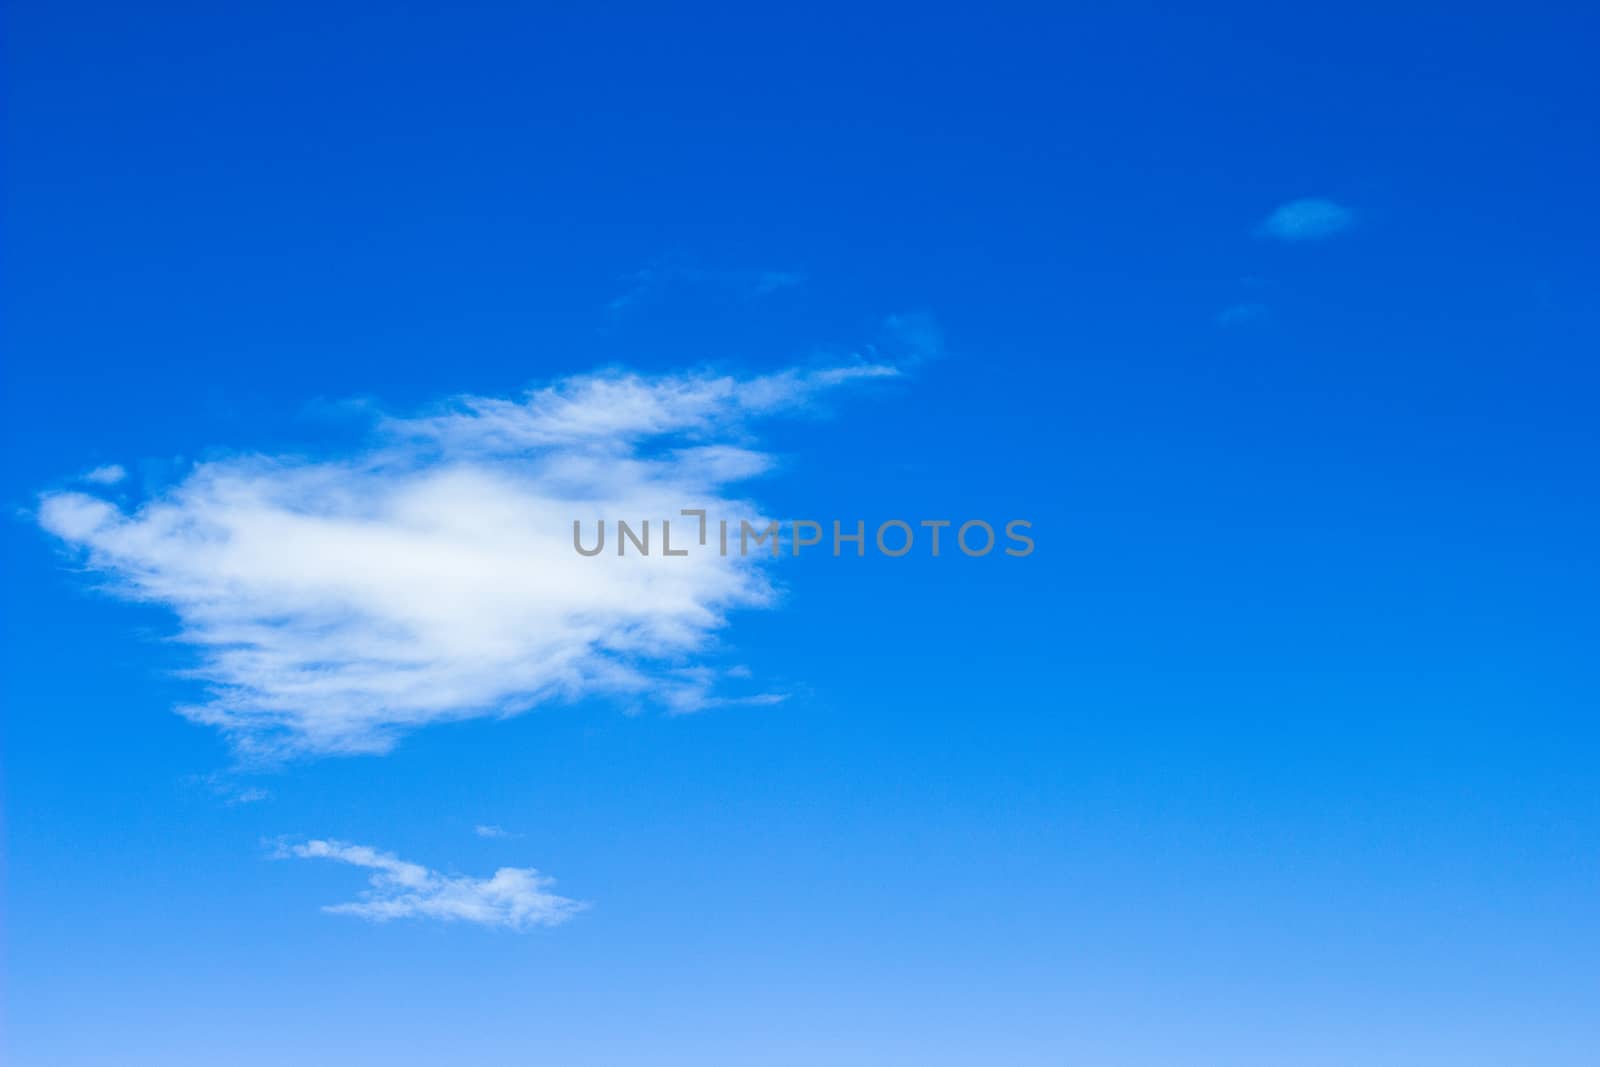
(1277, 325)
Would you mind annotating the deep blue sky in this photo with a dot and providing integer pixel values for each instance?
(1281, 748)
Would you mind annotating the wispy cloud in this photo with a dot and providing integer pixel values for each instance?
(110, 474)
(912, 337)
(770, 281)
(483, 830)
(1247, 313)
(515, 898)
(338, 603)
(229, 790)
(612, 413)
(1310, 219)
(660, 279)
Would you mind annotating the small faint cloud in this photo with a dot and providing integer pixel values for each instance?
(513, 898)
(911, 337)
(1248, 313)
(228, 790)
(773, 280)
(754, 700)
(484, 830)
(337, 410)
(1309, 219)
(660, 279)
(640, 284)
(110, 474)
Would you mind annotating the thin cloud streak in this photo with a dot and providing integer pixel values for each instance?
(513, 898)
(654, 282)
(1249, 313)
(1309, 219)
(110, 474)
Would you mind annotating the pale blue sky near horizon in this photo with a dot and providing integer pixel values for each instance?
(1278, 325)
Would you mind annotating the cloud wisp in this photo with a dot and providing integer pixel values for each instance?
(513, 898)
(110, 474)
(655, 281)
(338, 603)
(1310, 219)
(1246, 313)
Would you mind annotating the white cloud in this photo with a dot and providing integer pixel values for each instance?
(1311, 219)
(611, 413)
(913, 337)
(229, 790)
(1247, 313)
(338, 603)
(770, 281)
(516, 898)
(668, 275)
(491, 831)
(110, 474)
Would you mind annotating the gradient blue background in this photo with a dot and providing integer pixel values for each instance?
(1280, 750)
